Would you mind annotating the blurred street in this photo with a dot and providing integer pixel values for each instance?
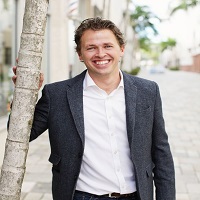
(180, 93)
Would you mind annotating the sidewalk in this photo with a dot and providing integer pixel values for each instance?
(37, 180)
(180, 93)
(3, 123)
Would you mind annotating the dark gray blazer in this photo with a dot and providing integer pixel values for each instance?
(60, 110)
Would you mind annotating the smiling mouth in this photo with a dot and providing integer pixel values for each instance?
(102, 62)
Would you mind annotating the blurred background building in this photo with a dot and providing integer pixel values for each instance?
(183, 24)
(59, 58)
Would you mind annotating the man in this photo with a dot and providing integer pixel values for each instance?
(106, 127)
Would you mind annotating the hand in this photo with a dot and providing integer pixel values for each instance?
(41, 80)
(15, 77)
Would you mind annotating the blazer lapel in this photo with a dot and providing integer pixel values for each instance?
(75, 99)
(130, 100)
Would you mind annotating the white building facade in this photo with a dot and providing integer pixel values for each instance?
(184, 26)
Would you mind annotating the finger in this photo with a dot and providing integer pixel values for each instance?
(14, 78)
(41, 80)
(14, 68)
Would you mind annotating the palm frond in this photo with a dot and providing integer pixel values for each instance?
(185, 5)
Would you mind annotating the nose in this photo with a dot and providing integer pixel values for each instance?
(100, 52)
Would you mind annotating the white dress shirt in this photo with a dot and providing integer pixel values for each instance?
(106, 165)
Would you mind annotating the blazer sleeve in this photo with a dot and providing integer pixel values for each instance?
(40, 121)
(164, 175)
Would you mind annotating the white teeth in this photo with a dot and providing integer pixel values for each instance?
(102, 62)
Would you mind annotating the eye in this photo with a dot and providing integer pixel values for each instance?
(90, 48)
(108, 46)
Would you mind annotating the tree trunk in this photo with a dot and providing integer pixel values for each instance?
(24, 100)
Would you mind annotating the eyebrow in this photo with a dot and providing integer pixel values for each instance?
(107, 43)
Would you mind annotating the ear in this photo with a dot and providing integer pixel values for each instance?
(80, 56)
(122, 48)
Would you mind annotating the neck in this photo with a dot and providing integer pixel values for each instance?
(108, 84)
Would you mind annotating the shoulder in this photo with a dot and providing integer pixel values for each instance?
(146, 90)
(62, 85)
(139, 83)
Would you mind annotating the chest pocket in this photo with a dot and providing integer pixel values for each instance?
(143, 108)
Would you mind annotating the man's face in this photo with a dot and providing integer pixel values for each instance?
(100, 52)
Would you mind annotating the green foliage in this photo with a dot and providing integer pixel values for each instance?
(185, 5)
(134, 71)
(141, 19)
(143, 23)
(174, 68)
(5, 4)
(168, 44)
(145, 43)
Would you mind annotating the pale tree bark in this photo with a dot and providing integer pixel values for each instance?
(24, 100)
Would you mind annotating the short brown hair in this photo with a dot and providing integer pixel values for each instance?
(97, 24)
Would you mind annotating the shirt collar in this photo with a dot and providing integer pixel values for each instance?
(88, 81)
